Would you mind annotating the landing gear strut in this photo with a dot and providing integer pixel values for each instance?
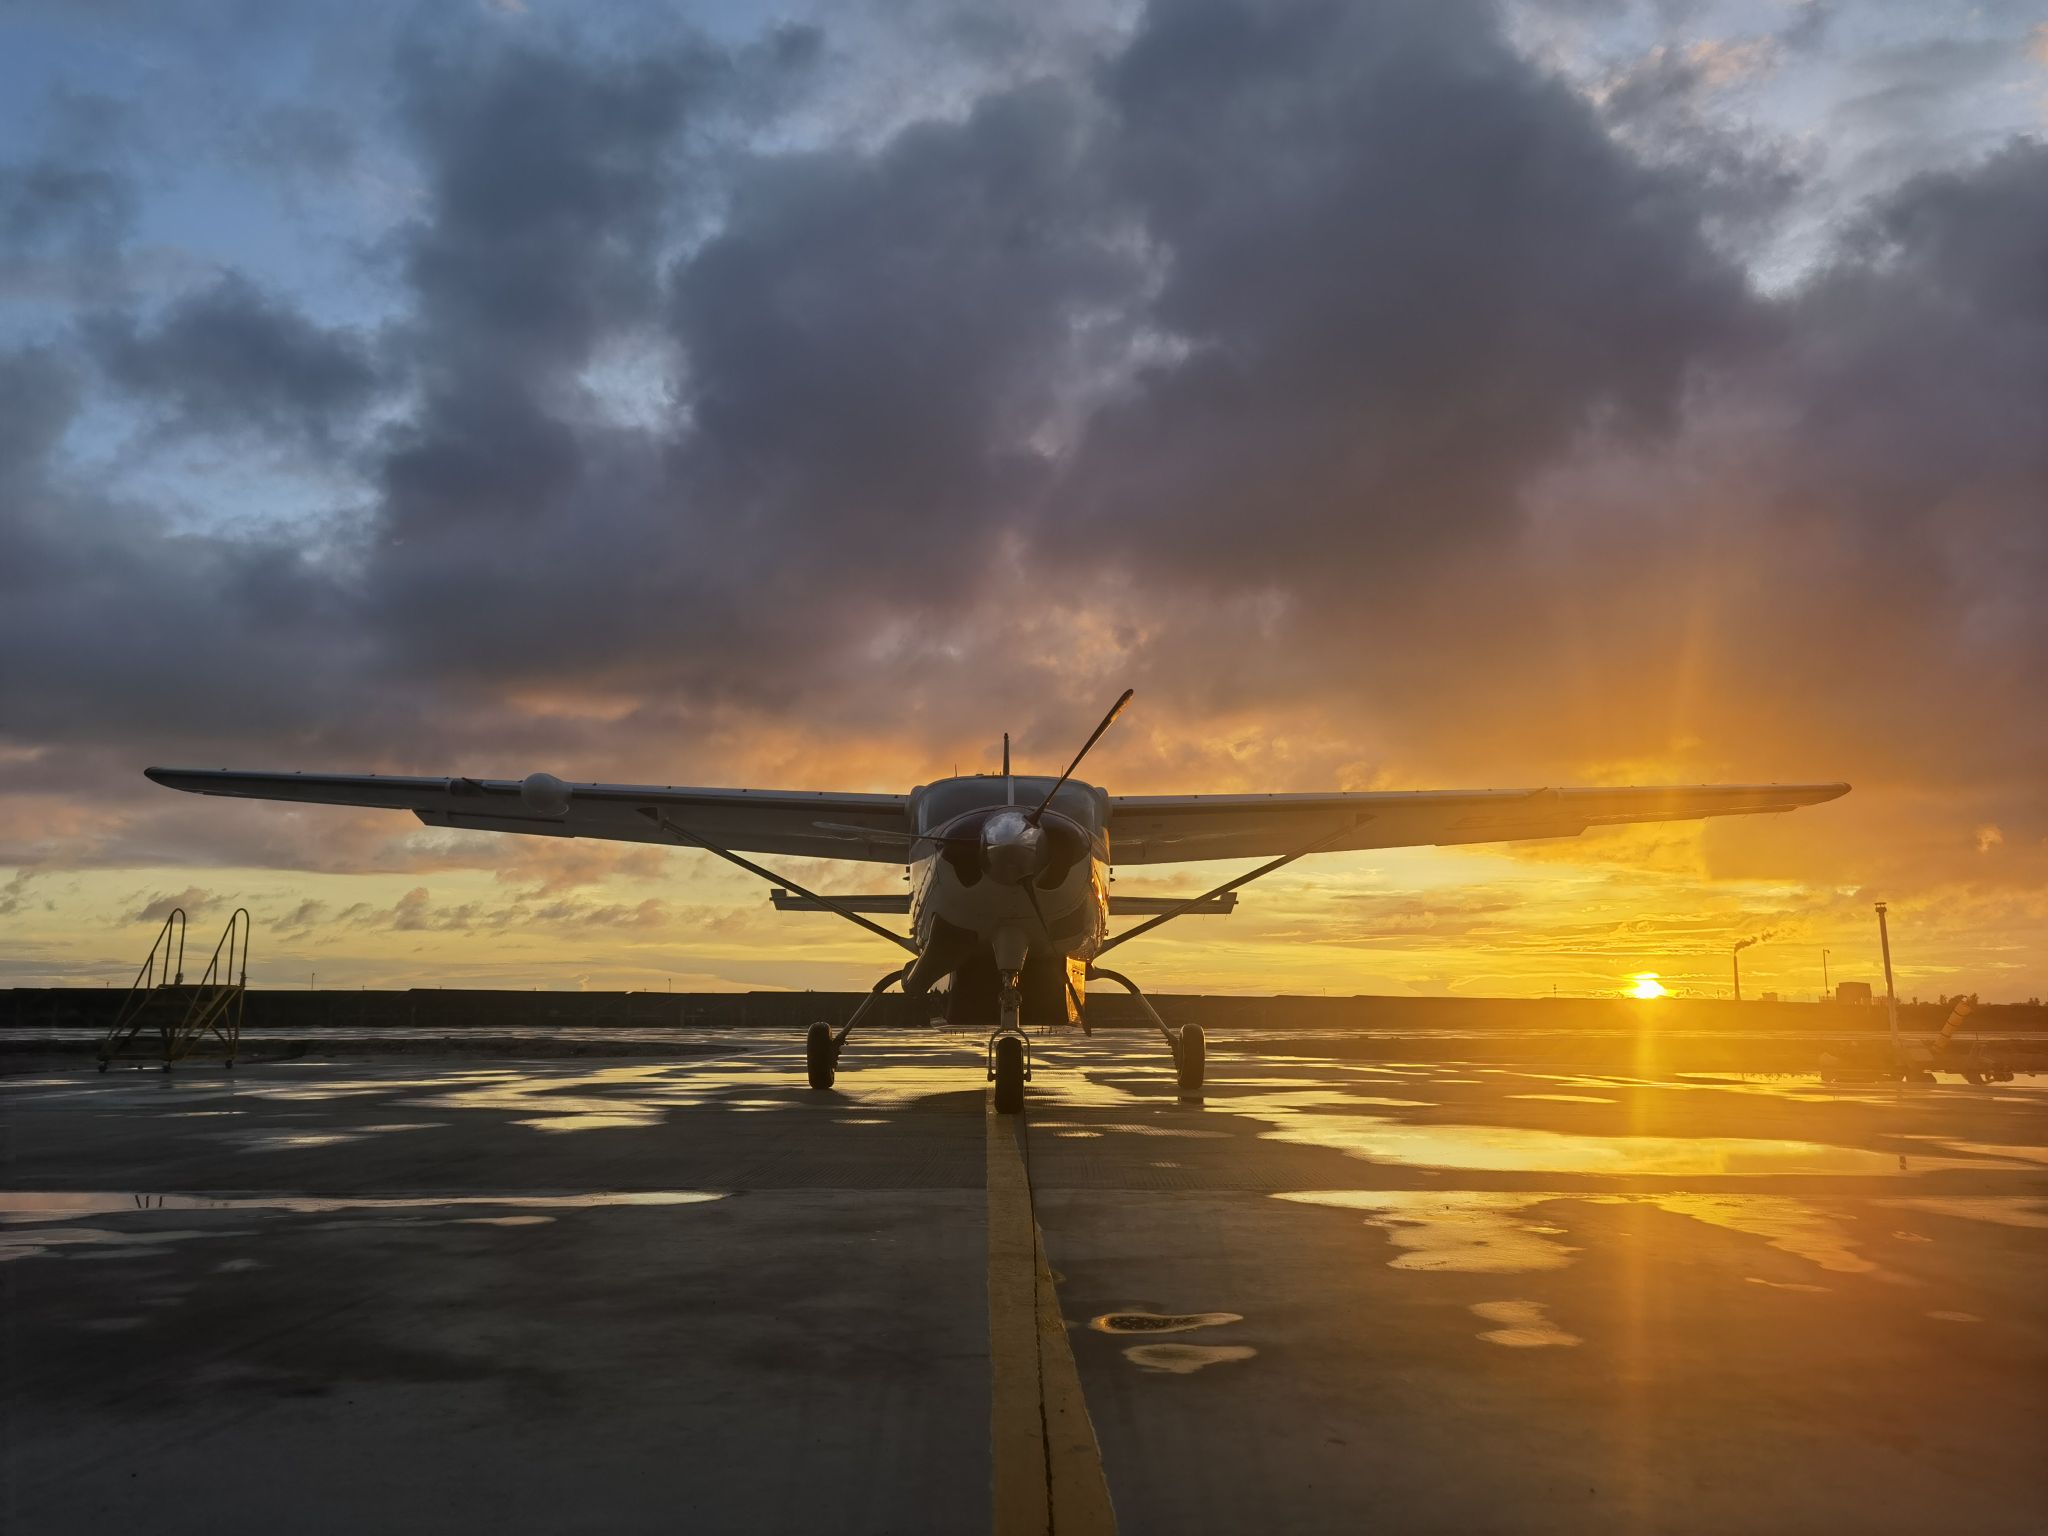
(1009, 1055)
(1189, 1045)
(822, 1046)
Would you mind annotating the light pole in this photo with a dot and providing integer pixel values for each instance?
(1825, 990)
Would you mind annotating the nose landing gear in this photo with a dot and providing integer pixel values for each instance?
(1009, 1053)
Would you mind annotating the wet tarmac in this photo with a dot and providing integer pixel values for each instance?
(460, 1294)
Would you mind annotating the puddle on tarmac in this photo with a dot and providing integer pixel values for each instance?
(28, 1242)
(2005, 1210)
(1507, 1149)
(1786, 1285)
(1789, 1225)
(591, 1122)
(285, 1141)
(1956, 1317)
(1075, 1128)
(1160, 1322)
(504, 1221)
(1185, 1359)
(31, 1221)
(1490, 1231)
(28, 1206)
(1563, 1098)
(1522, 1325)
(1456, 1231)
(1994, 1149)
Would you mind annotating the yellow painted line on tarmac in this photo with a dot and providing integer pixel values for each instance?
(1048, 1468)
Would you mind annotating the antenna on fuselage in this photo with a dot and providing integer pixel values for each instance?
(1107, 721)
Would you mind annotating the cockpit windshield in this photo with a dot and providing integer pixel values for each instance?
(940, 803)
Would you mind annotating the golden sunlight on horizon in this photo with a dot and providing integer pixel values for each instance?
(1647, 986)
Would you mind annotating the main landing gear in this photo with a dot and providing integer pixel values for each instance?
(822, 1046)
(1189, 1045)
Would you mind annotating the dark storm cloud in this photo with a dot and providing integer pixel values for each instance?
(873, 341)
(869, 341)
(1663, 107)
(1407, 271)
(231, 359)
(550, 179)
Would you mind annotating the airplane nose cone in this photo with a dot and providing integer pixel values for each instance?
(1012, 849)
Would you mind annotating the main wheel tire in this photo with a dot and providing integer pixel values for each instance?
(1009, 1075)
(1191, 1057)
(820, 1060)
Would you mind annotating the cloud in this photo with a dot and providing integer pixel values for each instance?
(62, 224)
(14, 894)
(230, 359)
(192, 901)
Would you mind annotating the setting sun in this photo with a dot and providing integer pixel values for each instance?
(1647, 986)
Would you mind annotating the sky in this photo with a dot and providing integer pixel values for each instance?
(1396, 396)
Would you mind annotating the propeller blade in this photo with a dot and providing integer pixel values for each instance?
(1107, 721)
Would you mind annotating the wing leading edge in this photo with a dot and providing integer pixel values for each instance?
(747, 820)
(1144, 829)
(1171, 829)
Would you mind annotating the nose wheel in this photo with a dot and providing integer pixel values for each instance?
(1009, 1068)
(1009, 1054)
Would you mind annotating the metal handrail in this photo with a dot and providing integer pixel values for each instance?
(145, 982)
(145, 975)
(215, 998)
(239, 917)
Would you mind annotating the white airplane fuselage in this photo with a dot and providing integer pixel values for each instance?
(987, 879)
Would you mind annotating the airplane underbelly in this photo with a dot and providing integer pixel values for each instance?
(1075, 911)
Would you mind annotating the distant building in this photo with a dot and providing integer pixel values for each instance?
(1852, 991)
(1770, 997)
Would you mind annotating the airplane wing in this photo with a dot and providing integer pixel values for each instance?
(746, 820)
(1171, 829)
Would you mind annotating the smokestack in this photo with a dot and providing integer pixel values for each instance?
(1735, 954)
(1891, 996)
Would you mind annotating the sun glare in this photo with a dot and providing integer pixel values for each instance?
(1647, 986)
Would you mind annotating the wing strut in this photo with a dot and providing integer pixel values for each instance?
(685, 835)
(1228, 886)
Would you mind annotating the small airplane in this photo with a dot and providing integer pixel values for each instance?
(1009, 901)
